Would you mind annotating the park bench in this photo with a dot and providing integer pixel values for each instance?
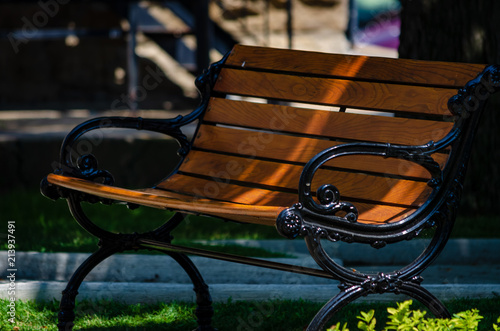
(321, 146)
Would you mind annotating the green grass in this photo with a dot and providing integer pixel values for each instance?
(46, 226)
(268, 315)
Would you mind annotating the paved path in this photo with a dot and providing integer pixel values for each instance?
(460, 272)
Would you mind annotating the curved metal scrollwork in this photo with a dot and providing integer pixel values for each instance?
(329, 198)
(327, 195)
(86, 166)
(471, 97)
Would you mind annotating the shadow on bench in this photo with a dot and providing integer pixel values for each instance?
(322, 146)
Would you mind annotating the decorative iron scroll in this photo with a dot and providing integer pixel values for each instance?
(471, 97)
(86, 166)
(326, 205)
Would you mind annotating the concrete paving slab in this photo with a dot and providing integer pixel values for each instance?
(132, 293)
(150, 278)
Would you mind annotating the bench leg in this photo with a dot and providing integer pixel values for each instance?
(354, 292)
(204, 309)
(355, 284)
(66, 315)
(111, 243)
(427, 298)
(335, 304)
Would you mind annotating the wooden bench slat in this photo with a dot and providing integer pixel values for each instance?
(167, 200)
(222, 191)
(336, 92)
(267, 145)
(369, 213)
(326, 123)
(433, 73)
(255, 213)
(257, 173)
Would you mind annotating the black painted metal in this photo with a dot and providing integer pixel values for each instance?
(316, 222)
(66, 314)
(166, 246)
(111, 243)
(204, 310)
(86, 167)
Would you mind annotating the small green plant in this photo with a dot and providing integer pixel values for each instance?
(337, 327)
(495, 326)
(367, 321)
(403, 318)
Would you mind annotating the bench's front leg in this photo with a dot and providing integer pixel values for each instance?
(204, 309)
(66, 314)
(324, 217)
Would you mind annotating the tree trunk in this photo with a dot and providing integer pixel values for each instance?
(462, 31)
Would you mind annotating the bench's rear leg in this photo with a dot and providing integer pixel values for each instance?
(428, 299)
(204, 309)
(66, 314)
(351, 294)
(354, 284)
(335, 304)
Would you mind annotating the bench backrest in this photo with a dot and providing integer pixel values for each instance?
(271, 111)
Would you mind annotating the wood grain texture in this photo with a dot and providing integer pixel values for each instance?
(261, 174)
(253, 213)
(204, 189)
(433, 73)
(324, 123)
(247, 157)
(163, 200)
(287, 148)
(336, 92)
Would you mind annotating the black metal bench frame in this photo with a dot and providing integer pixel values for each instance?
(308, 219)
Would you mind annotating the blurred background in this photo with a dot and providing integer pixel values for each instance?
(64, 61)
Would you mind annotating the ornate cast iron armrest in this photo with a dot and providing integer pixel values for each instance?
(86, 165)
(169, 127)
(291, 221)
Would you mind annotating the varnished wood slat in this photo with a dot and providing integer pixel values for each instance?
(357, 127)
(264, 215)
(336, 92)
(288, 148)
(253, 172)
(223, 191)
(368, 213)
(260, 214)
(163, 200)
(351, 66)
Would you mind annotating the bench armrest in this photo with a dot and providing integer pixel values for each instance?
(169, 127)
(324, 215)
(86, 166)
(328, 195)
